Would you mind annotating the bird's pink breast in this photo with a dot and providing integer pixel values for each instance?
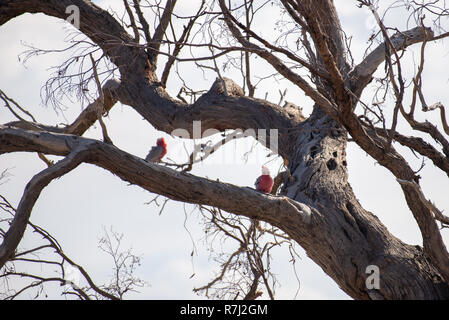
(265, 184)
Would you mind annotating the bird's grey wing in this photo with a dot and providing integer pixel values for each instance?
(154, 154)
(257, 182)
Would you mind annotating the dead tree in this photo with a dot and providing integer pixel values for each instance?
(315, 205)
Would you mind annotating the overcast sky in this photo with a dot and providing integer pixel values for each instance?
(76, 207)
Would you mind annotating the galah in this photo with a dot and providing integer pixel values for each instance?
(157, 152)
(264, 183)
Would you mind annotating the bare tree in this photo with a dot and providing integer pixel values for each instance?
(313, 205)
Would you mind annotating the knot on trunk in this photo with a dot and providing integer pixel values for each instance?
(227, 87)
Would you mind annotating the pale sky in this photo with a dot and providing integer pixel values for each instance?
(76, 207)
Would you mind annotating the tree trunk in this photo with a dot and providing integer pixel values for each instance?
(349, 239)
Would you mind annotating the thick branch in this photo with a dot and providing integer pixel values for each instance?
(278, 211)
(216, 110)
(156, 41)
(432, 241)
(422, 147)
(361, 75)
(86, 118)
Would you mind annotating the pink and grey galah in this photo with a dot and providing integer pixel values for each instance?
(264, 183)
(158, 151)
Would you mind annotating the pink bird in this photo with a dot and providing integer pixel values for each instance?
(157, 152)
(264, 183)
